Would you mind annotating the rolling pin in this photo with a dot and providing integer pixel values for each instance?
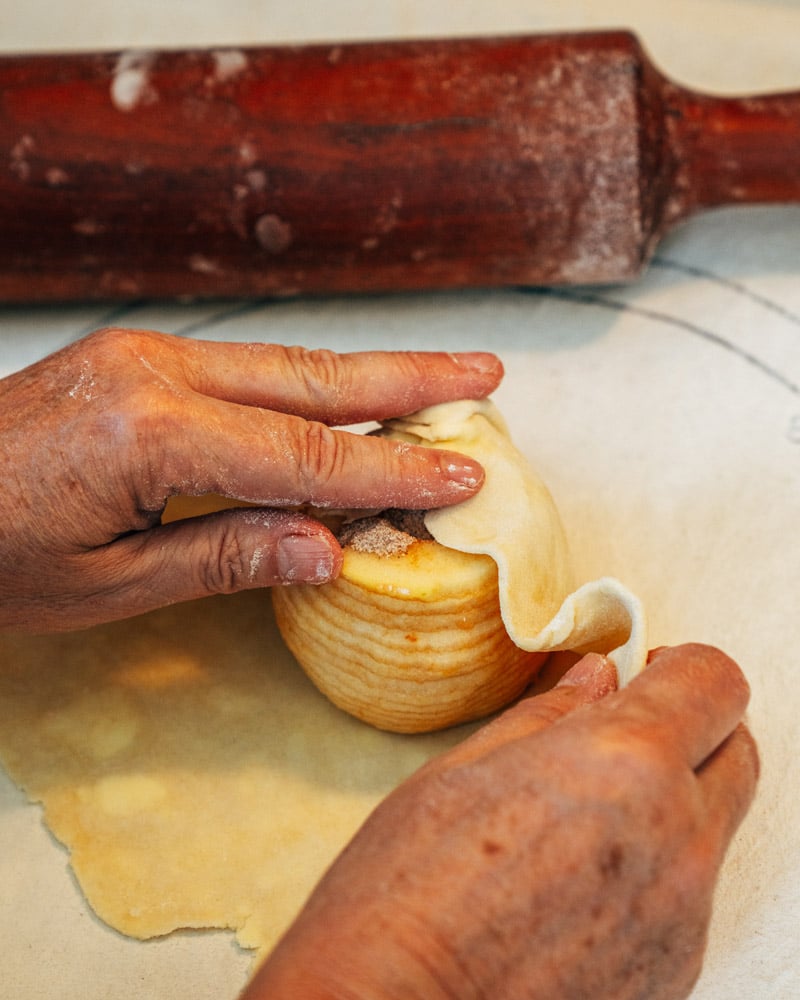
(543, 160)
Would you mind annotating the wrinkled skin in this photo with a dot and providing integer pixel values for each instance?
(95, 438)
(568, 850)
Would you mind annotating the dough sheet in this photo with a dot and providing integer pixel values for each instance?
(196, 776)
(514, 520)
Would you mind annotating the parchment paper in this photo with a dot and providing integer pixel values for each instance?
(676, 400)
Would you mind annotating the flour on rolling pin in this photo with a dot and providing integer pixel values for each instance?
(372, 166)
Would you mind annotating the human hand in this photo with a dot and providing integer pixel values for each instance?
(568, 849)
(95, 438)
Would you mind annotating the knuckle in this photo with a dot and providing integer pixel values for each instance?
(114, 342)
(224, 564)
(131, 357)
(413, 367)
(632, 759)
(317, 371)
(321, 457)
(119, 418)
(128, 363)
(106, 342)
(709, 666)
(109, 359)
(144, 408)
(543, 712)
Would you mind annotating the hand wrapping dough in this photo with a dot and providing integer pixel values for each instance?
(96, 437)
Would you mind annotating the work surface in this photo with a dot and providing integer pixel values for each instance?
(665, 417)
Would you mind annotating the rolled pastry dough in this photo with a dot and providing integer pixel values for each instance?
(194, 774)
(514, 520)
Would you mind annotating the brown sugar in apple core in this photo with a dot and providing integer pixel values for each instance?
(390, 533)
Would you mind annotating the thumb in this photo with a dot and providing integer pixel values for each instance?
(590, 679)
(219, 553)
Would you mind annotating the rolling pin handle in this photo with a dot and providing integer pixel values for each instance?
(734, 150)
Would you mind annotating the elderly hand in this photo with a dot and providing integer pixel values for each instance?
(569, 849)
(95, 438)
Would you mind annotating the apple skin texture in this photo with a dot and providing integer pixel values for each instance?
(410, 642)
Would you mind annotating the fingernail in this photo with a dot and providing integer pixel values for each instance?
(305, 559)
(465, 474)
(478, 361)
(592, 671)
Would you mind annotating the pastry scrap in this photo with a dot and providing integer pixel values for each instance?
(434, 624)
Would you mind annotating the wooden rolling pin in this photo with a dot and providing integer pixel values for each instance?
(364, 167)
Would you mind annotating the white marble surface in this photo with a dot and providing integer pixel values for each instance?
(665, 416)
